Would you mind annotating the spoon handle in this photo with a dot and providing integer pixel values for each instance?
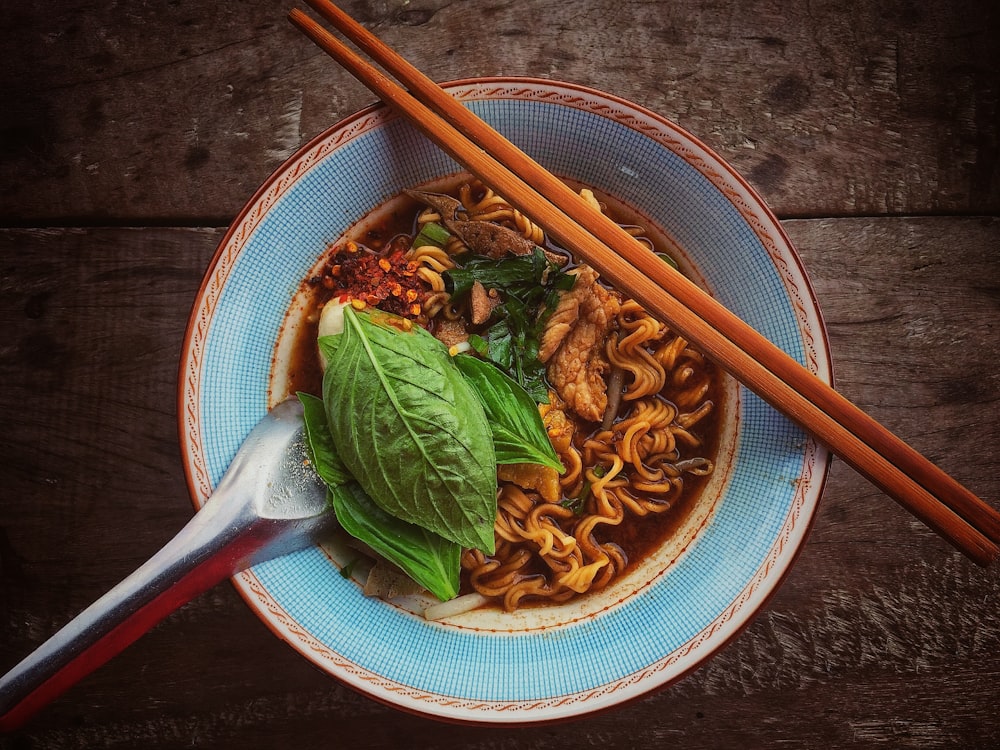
(209, 548)
(266, 505)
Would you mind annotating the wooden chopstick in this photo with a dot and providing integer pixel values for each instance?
(947, 507)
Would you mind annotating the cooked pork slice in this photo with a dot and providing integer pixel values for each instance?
(482, 303)
(572, 345)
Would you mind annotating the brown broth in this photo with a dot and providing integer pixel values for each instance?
(638, 537)
(644, 536)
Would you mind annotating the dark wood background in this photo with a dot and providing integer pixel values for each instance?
(132, 132)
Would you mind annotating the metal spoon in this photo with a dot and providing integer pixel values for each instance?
(270, 502)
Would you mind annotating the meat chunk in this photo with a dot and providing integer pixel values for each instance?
(482, 303)
(542, 479)
(451, 332)
(487, 238)
(572, 345)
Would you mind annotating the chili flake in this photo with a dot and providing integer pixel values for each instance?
(385, 280)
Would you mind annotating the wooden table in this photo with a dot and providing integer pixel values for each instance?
(133, 132)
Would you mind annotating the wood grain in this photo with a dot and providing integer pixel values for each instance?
(958, 515)
(173, 113)
(132, 133)
(880, 633)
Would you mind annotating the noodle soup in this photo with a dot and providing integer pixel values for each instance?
(640, 421)
(719, 559)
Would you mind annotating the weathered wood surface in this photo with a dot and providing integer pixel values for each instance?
(173, 112)
(880, 634)
(133, 132)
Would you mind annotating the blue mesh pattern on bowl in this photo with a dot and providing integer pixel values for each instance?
(579, 657)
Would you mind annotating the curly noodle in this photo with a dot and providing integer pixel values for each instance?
(552, 552)
(632, 467)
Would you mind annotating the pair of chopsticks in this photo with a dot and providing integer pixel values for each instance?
(958, 515)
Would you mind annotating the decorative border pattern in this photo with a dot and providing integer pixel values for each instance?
(381, 684)
(728, 622)
(221, 266)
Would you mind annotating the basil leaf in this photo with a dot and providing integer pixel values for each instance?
(430, 560)
(328, 345)
(411, 429)
(501, 346)
(519, 435)
(512, 344)
(324, 456)
(529, 285)
(518, 274)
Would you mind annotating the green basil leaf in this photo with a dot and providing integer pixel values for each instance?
(519, 435)
(412, 431)
(563, 281)
(529, 285)
(501, 346)
(328, 345)
(324, 456)
(430, 560)
(520, 275)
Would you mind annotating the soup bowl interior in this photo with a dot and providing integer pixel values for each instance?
(542, 663)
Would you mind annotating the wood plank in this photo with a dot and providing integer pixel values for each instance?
(172, 113)
(880, 634)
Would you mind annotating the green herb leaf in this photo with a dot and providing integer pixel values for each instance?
(324, 456)
(429, 559)
(519, 435)
(517, 274)
(328, 346)
(529, 285)
(411, 429)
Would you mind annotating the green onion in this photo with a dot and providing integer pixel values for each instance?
(431, 234)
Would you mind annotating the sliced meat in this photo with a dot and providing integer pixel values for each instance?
(572, 345)
(482, 303)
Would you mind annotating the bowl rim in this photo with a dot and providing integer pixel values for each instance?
(820, 357)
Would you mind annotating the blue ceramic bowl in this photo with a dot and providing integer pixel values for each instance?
(543, 663)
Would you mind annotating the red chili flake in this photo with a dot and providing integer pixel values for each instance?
(385, 280)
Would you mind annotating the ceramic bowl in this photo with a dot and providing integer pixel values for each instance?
(539, 664)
